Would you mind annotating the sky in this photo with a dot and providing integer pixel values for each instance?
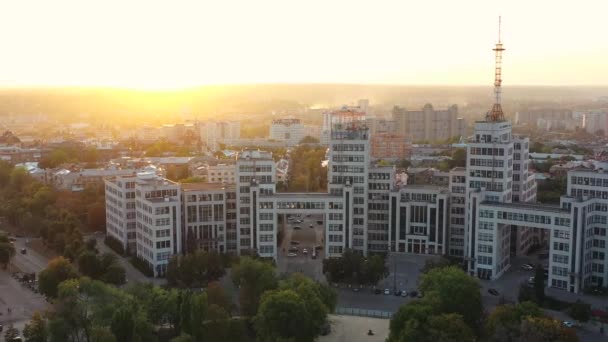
(175, 44)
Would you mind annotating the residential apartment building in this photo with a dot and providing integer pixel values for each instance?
(213, 133)
(120, 210)
(390, 147)
(290, 131)
(457, 188)
(222, 173)
(429, 124)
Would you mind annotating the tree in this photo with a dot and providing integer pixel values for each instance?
(436, 263)
(448, 328)
(541, 329)
(503, 324)
(580, 311)
(7, 250)
(88, 264)
(11, 333)
(273, 324)
(408, 320)
(539, 284)
(123, 324)
(36, 329)
(254, 277)
(58, 270)
(217, 296)
(455, 292)
(114, 274)
(309, 140)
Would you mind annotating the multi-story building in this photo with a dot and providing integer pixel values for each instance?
(158, 220)
(419, 219)
(390, 147)
(291, 131)
(349, 155)
(120, 210)
(212, 133)
(221, 173)
(458, 186)
(429, 124)
(209, 217)
(255, 176)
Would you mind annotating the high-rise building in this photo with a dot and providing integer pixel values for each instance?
(255, 176)
(291, 131)
(213, 133)
(429, 124)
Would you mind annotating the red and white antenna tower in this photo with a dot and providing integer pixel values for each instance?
(496, 113)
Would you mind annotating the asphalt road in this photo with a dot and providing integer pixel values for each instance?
(31, 261)
(307, 238)
(22, 301)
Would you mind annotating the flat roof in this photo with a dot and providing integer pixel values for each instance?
(307, 195)
(530, 206)
(205, 186)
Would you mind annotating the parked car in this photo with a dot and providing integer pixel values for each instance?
(387, 292)
(377, 291)
(305, 251)
(292, 255)
(531, 281)
(293, 249)
(404, 293)
(310, 226)
(319, 222)
(493, 292)
(355, 289)
(23, 251)
(527, 267)
(297, 227)
(294, 242)
(397, 293)
(414, 294)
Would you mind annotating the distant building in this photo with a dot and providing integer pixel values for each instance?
(380, 126)
(290, 131)
(213, 133)
(390, 147)
(429, 124)
(530, 117)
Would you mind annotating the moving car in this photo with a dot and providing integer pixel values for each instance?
(310, 226)
(527, 267)
(294, 242)
(292, 255)
(493, 292)
(23, 251)
(293, 249)
(297, 227)
(387, 292)
(305, 251)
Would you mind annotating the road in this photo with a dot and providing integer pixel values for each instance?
(30, 262)
(22, 301)
(307, 238)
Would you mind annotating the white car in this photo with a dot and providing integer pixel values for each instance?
(404, 293)
(387, 292)
(305, 251)
(292, 255)
(527, 267)
(568, 324)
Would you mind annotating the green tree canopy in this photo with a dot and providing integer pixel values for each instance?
(58, 270)
(254, 277)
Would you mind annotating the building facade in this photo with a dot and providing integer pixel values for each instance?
(429, 124)
(290, 131)
(390, 147)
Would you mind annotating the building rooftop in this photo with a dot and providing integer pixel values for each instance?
(201, 186)
(530, 206)
(304, 195)
(429, 187)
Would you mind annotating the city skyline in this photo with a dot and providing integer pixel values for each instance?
(155, 46)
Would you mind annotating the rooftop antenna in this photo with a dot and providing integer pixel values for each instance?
(496, 113)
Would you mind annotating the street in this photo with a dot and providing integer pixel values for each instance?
(21, 300)
(303, 238)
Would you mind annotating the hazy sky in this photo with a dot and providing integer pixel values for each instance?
(166, 44)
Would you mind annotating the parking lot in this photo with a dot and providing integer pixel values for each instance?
(301, 234)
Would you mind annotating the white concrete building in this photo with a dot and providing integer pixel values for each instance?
(212, 133)
(120, 210)
(256, 176)
(291, 131)
(209, 217)
(158, 220)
